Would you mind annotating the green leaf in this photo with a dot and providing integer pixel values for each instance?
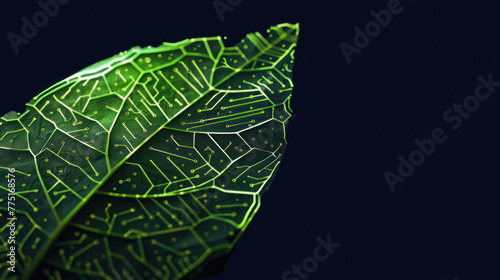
(149, 164)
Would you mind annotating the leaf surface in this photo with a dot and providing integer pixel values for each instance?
(149, 164)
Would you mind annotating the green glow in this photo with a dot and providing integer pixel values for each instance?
(151, 163)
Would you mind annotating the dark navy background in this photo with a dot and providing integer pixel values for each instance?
(352, 122)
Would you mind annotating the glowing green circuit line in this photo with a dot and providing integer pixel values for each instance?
(17, 171)
(66, 186)
(172, 137)
(232, 205)
(201, 74)
(153, 149)
(243, 104)
(236, 124)
(73, 242)
(79, 252)
(251, 177)
(22, 197)
(71, 164)
(144, 262)
(215, 95)
(223, 121)
(209, 109)
(159, 170)
(10, 132)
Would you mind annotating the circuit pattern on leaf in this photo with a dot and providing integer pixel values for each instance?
(148, 164)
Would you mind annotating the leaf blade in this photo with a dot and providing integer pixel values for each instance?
(147, 112)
